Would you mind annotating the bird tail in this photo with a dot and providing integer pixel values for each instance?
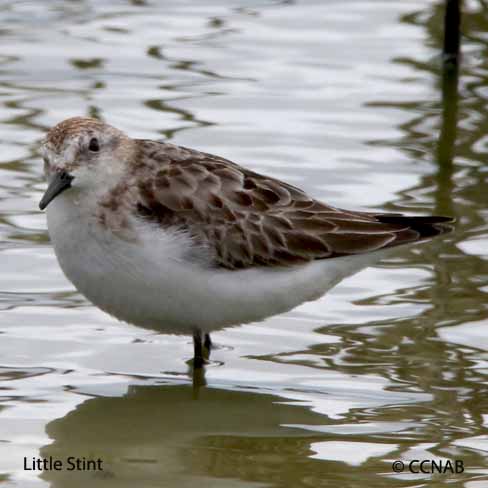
(427, 227)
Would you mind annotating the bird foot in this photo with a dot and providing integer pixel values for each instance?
(198, 362)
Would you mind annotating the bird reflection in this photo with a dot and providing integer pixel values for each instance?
(162, 436)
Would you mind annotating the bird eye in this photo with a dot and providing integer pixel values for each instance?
(94, 145)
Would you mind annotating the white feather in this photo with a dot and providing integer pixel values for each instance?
(163, 282)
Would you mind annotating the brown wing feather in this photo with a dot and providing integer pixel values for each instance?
(248, 219)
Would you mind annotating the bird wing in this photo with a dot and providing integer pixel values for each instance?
(248, 219)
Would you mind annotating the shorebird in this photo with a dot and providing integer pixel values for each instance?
(184, 242)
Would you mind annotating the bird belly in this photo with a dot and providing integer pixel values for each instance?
(152, 283)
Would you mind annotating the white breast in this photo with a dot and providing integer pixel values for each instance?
(152, 284)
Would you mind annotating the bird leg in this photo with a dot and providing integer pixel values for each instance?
(198, 360)
(207, 346)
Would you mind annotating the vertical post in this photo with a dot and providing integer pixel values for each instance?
(452, 31)
(450, 73)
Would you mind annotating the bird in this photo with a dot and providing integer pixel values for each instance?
(181, 241)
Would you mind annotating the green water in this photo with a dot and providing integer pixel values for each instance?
(343, 98)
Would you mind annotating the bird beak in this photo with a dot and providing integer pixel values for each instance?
(60, 181)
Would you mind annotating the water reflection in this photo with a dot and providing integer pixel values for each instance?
(457, 186)
(344, 99)
(162, 435)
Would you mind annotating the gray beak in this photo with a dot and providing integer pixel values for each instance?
(60, 181)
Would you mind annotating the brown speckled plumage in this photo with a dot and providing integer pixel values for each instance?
(58, 133)
(246, 219)
(253, 220)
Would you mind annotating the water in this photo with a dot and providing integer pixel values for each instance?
(342, 98)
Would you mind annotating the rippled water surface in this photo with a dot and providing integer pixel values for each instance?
(343, 98)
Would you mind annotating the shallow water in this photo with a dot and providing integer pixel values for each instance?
(342, 98)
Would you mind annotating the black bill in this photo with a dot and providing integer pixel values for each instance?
(60, 181)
